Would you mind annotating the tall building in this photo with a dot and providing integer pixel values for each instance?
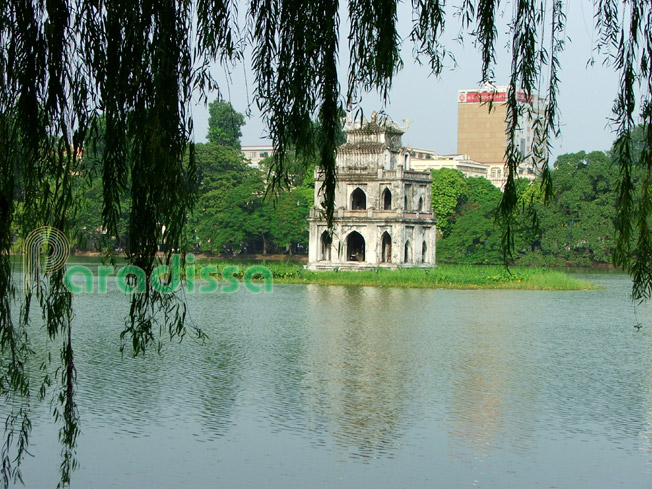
(383, 210)
(482, 134)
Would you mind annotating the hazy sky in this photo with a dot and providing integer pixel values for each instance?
(585, 99)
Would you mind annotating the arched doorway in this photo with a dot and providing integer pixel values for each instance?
(326, 242)
(407, 255)
(355, 247)
(387, 199)
(386, 251)
(358, 199)
(424, 253)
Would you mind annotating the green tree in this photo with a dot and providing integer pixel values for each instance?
(448, 193)
(243, 214)
(225, 183)
(289, 223)
(296, 172)
(474, 237)
(224, 124)
(579, 225)
(483, 191)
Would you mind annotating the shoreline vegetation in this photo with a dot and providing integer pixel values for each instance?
(444, 276)
(440, 277)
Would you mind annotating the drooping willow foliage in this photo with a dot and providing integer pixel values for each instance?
(66, 65)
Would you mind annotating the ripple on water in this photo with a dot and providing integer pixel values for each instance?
(485, 386)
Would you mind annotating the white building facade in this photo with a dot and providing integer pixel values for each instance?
(256, 154)
(383, 209)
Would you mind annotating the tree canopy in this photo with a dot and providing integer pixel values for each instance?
(224, 124)
(138, 63)
(576, 227)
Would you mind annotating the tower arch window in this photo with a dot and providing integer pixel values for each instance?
(407, 198)
(386, 251)
(358, 199)
(420, 204)
(326, 242)
(424, 252)
(387, 199)
(355, 247)
(407, 254)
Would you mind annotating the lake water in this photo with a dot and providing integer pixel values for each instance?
(323, 387)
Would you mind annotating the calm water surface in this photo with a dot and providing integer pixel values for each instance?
(321, 387)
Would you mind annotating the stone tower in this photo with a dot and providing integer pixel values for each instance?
(383, 212)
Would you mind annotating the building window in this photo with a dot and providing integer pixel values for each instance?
(358, 200)
(355, 246)
(387, 200)
(386, 252)
(406, 198)
(420, 204)
(326, 242)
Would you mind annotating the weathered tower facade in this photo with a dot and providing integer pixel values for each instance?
(383, 211)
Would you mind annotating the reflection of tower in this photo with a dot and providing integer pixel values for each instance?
(495, 382)
(219, 385)
(383, 208)
(360, 370)
(647, 406)
(478, 398)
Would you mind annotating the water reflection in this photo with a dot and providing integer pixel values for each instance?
(494, 389)
(335, 386)
(359, 374)
(217, 384)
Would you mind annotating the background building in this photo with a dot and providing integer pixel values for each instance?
(481, 137)
(482, 134)
(255, 154)
(427, 159)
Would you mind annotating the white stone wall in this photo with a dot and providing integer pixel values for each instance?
(372, 161)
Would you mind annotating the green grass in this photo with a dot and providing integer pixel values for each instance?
(441, 277)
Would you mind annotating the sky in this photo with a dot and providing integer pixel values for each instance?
(430, 103)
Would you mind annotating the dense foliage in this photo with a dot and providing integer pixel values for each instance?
(234, 212)
(224, 124)
(575, 228)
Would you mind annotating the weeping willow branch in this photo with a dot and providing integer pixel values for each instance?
(428, 22)
(629, 30)
(374, 45)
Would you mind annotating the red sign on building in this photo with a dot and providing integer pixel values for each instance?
(480, 97)
(488, 96)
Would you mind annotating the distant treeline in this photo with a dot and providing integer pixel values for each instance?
(234, 213)
(575, 228)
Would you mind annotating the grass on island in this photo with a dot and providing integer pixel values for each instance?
(441, 277)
